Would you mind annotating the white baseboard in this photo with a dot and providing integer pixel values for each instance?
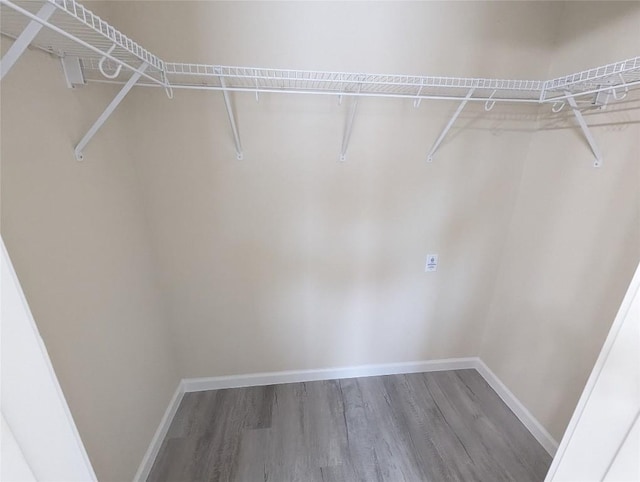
(292, 376)
(271, 378)
(528, 420)
(156, 442)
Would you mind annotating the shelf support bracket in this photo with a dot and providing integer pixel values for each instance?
(26, 37)
(232, 119)
(347, 129)
(109, 110)
(585, 130)
(449, 125)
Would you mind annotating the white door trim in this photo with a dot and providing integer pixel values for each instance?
(33, 404)
(624, 318)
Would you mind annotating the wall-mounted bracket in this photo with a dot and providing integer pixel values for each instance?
(585, 130)
(449, 125)
(109, 110)
(232, 119)
(347, 129)
(72, 71)
(26, 37)
(601, 99)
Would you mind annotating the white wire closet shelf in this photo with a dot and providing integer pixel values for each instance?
(620, 75)
(615, 77)
(73, 30)
(103, 54)
(252, 79)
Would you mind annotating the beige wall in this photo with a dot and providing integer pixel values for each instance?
(439, 37)
(77, 237)
(162, 244)
(292, 260)
(574, 239)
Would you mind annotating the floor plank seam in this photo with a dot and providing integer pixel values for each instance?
(305, 431)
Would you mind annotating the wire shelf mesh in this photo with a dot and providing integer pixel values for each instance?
(383, 85)
(73, 30)
(82, 27)
(618, 75)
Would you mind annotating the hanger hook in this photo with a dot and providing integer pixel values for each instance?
(489, 104)
(555, 109)
(101, 65)
(257, 93)
(626, 89)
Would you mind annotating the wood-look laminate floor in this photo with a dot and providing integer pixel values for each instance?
(439, 426)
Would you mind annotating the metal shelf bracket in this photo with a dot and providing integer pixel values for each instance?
(135, 76)
(449, 125)
(26, 37)
(72, 69)
(585, 130)
(232, 119)
(348, 128)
